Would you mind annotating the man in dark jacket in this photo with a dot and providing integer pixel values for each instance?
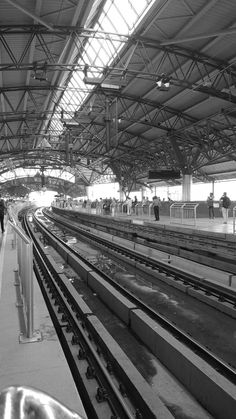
(225, 204)
(2, 212)
(156, 207)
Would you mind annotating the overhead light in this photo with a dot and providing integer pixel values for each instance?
(92, 80)
(68, 123)
(110, 86)
(40, 77)
(163, 82)
(40, 73)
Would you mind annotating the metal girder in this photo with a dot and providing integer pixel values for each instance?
(31, 183)
(149, 133)
(127, 40)
(188, 69)
(208, 136)
(210, 82)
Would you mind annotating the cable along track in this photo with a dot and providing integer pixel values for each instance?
(145, 322)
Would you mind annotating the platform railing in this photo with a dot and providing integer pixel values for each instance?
(176, 212)
(150, 207)
(24, 280)
(184, 213)
(234, 214)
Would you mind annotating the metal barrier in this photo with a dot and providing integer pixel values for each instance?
(176, 212)
(145, 209)
(139, 209)
(234, 211)
(183, 213)
(24, 280)
(150, 210)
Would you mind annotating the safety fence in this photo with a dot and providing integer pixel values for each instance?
(234, 222)
(114, 208)
(24, 284)
(183, 213)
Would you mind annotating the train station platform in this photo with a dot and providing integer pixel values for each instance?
(199, 222)
(205, 224)
(41, 364)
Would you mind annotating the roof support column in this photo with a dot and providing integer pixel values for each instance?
(122, 193)
(108, 124)
(186, 186)
(67, 141)
(213, 187)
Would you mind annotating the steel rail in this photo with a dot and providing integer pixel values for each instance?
(203, 352)
(159, 233)
(50, 283)
(181, 245)
(178, 274)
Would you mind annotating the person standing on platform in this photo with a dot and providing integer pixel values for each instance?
(156, 207)
(210, 205)
(134, 203)
(129, 205)
(2, 212)
(225, 203)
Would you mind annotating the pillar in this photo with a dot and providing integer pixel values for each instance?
(108, 124)
(213, 187)
(122, 195)
(186, 187)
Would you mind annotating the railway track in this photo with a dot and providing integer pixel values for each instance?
(108, 388)
(132, 312)
(210, 249)
(192, 283)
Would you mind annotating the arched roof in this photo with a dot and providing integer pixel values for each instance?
(119, 87)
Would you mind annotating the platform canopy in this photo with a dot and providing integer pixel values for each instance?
(109, 90)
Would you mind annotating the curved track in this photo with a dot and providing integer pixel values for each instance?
(134, 305)
(210, 249)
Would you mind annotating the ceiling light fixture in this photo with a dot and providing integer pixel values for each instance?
(163, 82)
(40, 73)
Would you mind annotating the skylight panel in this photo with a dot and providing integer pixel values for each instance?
(108, 26)
(118, 18)
(22, 173)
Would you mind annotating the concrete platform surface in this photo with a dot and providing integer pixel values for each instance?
(42, 364)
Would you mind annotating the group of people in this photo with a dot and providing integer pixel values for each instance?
(224, 204)
(156, 206)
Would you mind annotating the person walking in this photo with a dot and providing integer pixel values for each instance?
(156, 207)
(210, 205)
(225, 203)
(2, 212)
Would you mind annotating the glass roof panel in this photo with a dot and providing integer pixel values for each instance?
(119, 19)
(21, 172)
